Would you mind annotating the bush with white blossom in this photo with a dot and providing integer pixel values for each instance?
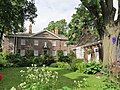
(81, 84)
(36, 78)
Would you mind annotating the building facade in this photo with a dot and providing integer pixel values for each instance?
(40, 43)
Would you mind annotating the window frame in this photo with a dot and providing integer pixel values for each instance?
(36, 53)
(22, 41)
(36, 43)
(22, 52)
(54, 43)
(54, 52)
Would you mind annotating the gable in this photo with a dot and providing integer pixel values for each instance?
(45, 34)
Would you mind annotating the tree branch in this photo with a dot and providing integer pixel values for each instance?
(118, 19)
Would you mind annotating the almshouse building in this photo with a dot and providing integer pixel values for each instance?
(39, 43)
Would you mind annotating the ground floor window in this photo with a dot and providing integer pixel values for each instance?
(65, 53)
(35, 52)
(54, 53)
(22, 52)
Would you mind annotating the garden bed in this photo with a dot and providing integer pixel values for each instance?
(12, 77)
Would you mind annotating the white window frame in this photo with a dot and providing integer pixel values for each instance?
(36, 42)
(54, 53)
(65, 53)
(54, 43)
(22, 52)
(35, 52)
(22, 41)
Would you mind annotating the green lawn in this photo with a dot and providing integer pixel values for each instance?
(11, 77)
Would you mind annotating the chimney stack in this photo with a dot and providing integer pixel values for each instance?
(30, 29)
(56, 31)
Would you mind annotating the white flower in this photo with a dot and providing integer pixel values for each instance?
(74, 81)
(13, 88)
(35, 65)
(84, 79)
(32, 65)
(27, 67)
(22, 71)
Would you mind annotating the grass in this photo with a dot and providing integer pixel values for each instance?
(11, 77)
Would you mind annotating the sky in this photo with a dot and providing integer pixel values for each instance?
(52, 10)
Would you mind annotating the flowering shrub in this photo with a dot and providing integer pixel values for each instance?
(38, 79)
(81, 84)
(0, 76)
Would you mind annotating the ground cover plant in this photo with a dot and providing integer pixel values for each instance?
(12, 77)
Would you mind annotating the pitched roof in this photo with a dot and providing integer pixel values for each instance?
(46, 31)
(35, 34)
(88, 39)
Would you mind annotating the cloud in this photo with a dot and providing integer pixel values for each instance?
(52, 10)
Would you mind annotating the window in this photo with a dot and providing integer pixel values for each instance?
(54, 53)
(22, 52)
(65, 53)
(65, 44)
(35, 52)
(22, 41)
(36, 42)
(53, 43)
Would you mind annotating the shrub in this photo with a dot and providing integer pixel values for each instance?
(53, 65)
(60, 64)
(92, 68)
(39, 60)
(66, 66)
(48, 59)
(81, 84)
(74, 63)
(81, 66)
(110, 84)
(60, 53)
(18, 61)
(2, 60)
(38, 79)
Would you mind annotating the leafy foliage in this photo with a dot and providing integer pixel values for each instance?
(82, 18)
(13, 13)
(38, 79)
(16, 60)
(92, 68)
(110, 84)
(2, 60)
(61, 25)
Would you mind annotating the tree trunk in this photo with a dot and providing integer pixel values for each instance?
(109, 46)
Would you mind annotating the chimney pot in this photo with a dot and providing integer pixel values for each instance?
(56, 31)
(30, 29)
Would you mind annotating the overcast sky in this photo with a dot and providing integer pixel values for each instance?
(52, 10)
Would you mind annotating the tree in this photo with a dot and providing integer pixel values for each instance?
(13, 13)
(61, 25)
(108, 28)
(81, 19)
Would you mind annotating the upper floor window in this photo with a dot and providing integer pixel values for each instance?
(22, 52)
(65, 44)
(22, 41)
(53, 43)
(35, 52)
(36, 42)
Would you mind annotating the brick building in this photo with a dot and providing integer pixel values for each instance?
(40, 43)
